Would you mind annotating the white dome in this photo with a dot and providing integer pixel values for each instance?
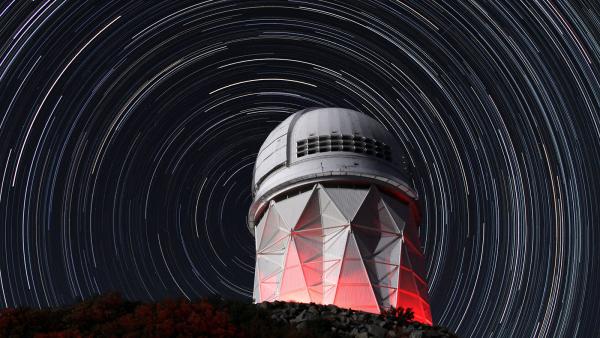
(329, 121)
(328, 144)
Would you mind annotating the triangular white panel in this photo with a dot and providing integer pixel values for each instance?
(331, 273)
(407, 280)
(388, 249)
(394, 213)
(367, 240)
(388, 222)
(384, 273)
(255, 293)
(393, 297)
(367, 214)
(258, 231)
(331, 216)
(291, 208)
(329, 293)
(268, 289)
(308, 250)
(354, 287)
(334, 245)
(273, 230)
(400, 208)
(293, 285)
(309, 245)
(334, 242)
(347, 200)
(310, 218)
(385, 296)
(269, 265)
(277, 247)
(333, 230)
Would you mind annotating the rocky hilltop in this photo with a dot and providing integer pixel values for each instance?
(112, 316)
(331, 321)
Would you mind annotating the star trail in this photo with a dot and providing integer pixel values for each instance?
(129, 130)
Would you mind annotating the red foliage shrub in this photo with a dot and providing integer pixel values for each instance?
(111, 316)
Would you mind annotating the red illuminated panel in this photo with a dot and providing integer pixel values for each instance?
(412, 291)
(368, 261)
(354, 287)
(293, 286)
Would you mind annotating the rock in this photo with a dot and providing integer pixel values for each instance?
(376, 330)
(416, 334)
(300, 317)
(433, 334)
(311, 315)
(340, 322)
(405, 330)
(333, 309)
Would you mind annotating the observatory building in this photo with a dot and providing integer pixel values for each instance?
(334, 216)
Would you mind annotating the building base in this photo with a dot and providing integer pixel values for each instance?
(354, 247)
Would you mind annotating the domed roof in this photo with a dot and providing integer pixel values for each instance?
(320, 126)
(328, 144)
(340, 121)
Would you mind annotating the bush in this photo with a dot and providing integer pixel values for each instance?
(112, 316)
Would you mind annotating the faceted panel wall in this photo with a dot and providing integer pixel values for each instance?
(353, 247)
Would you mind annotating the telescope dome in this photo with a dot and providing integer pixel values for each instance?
(328, 144)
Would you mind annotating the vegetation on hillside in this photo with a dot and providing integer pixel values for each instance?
(112, 316)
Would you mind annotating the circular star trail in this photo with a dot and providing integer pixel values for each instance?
(129, 129)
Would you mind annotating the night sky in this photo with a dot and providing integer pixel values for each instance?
(129, 129)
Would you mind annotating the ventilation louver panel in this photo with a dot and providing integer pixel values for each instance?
(349, 143)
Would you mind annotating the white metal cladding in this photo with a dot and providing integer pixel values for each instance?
(325, 232)
(280, 149)
(339, 121)
(272, 153)
(351, 145)
(353, 247)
